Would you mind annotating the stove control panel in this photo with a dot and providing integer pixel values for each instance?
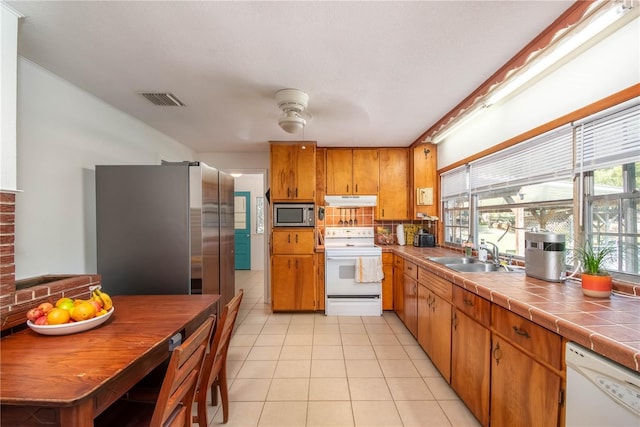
(342, 232)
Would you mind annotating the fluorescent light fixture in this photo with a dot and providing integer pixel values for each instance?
(451, 128)
(564, 47)
(236, 175)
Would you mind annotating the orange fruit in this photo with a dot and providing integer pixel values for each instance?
(58, 316)
(64, 300)
(83, 311)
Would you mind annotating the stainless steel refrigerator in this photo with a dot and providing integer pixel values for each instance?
(165, 229)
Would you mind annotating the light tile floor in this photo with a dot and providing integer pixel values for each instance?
(313, 370)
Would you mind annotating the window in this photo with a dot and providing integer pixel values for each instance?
(455, 197)
(520, 188)
(608, 163)
(532, 185)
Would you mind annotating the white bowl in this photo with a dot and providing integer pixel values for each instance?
(70, 328)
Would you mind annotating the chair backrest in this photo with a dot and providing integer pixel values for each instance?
(175, 400)
(215, 359)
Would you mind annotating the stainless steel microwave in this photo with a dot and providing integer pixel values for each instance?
(294, 215)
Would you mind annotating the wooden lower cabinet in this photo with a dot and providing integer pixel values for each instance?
(434, 320)
(523, 391)
(320, 282)
(526, 381)
(410, 297)
(292, 283)
(387, 282)
(398, 286)
(470, 364)
(471, 352)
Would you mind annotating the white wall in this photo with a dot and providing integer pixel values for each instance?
(63, 132)
(8, 97)
(608, 67)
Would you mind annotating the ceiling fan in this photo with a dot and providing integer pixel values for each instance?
(293, 103)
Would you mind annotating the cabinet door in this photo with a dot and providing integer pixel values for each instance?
(293, 174)
(321, 175)
(411, 304)
(470, 364)
(365, 172)
(292, 283)
(393, 184)
(320, 282)
(339, 171)
(305, 177)
(387, 282)
(523, 392)
(440, 335)
(425, 176)
(398, 286)
(423, 317)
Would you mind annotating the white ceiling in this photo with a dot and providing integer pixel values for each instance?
(377, 73)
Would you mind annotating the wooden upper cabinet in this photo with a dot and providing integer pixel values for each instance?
(425, 175)
(365, 172)
(394, 182)
(321, 175)
(352, 171)
(293, 171)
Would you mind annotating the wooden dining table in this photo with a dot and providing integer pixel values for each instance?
(68, 380)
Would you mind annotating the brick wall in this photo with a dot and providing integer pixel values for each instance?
(7, 245)
(17, 297)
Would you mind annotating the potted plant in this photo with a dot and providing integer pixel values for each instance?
(596, 281)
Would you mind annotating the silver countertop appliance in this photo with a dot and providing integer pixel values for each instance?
(544, 256)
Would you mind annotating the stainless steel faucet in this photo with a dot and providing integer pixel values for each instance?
(495, 253)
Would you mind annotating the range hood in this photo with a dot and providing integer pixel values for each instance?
(351, 201)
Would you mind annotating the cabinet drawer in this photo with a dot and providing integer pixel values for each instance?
(436, 284)
(411, 270)
(293, 242)
(544, 345)
(472, 305)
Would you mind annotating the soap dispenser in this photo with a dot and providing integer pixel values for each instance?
(482, 251)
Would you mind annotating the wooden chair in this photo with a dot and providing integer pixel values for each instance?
(175, 399)
(214, 370)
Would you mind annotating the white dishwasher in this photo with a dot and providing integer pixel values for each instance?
(600, 393)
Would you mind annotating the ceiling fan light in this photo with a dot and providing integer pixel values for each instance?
(291, 122)
(292, 99)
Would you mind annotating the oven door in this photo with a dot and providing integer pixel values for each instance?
(345, 296)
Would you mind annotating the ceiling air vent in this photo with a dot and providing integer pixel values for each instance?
(163, 99)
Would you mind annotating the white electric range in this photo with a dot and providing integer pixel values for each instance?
(344, 296)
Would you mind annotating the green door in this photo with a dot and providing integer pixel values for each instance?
(242, 226)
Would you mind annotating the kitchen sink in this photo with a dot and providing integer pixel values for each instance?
(477, 267)
(445, 260)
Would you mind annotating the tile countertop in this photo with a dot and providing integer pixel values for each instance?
(609, 326)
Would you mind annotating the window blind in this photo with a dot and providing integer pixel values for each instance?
(609, 140)
(545, 157)
(453, 183)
